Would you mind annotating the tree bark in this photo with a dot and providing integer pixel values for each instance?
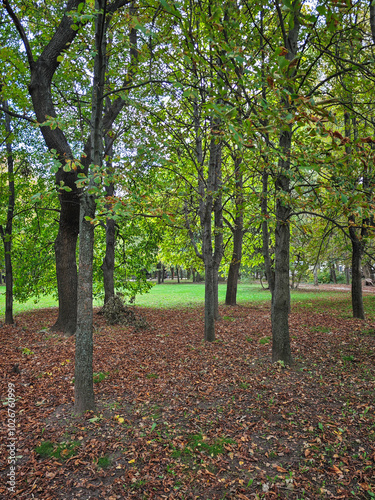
(347, 275)
(108, 265)
(6, 233)
(315, 273)
(83, 381)
(281, 297)
(265, 235)
(357, 240)
(332, 272)
(83, 385)
(235, 264)
(209, 302)
(357, 249)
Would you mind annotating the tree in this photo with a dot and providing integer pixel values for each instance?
(42, 71)
(6, 232)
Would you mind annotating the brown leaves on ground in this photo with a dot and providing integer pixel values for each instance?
(178, 418)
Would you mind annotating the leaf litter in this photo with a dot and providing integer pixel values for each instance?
(178, 418)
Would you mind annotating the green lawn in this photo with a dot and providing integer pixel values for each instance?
(174, 295)
(167, 295)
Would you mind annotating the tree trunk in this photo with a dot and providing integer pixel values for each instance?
(209, 302)
(83, 385)
(333, 274)
(66, 270)
(357, 296)
(235, 264)
(6, 233)
(234, 269)
(356, 240)
(159, 272)
(315, 272)
(108, 265)
(265, 234)
(281, 296)
(347, 275)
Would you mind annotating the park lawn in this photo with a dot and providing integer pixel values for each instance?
(178, 418)
(170, 295)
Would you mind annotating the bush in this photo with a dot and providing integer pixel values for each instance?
(116, 313)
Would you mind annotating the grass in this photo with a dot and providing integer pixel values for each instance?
(198, 443)
(171, 295)
(174, 295)
(61, 451)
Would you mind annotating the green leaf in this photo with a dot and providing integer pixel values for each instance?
(283, 63)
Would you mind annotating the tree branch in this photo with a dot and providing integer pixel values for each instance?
(21, 31)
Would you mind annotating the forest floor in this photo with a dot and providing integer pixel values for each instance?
(180, 419)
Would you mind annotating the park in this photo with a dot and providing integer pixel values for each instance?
(187, 258)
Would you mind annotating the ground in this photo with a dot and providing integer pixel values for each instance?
(180, 419)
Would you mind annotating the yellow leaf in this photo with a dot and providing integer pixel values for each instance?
(121, 420)
(131, 461)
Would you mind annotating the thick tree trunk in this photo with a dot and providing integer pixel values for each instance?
(66, 274)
